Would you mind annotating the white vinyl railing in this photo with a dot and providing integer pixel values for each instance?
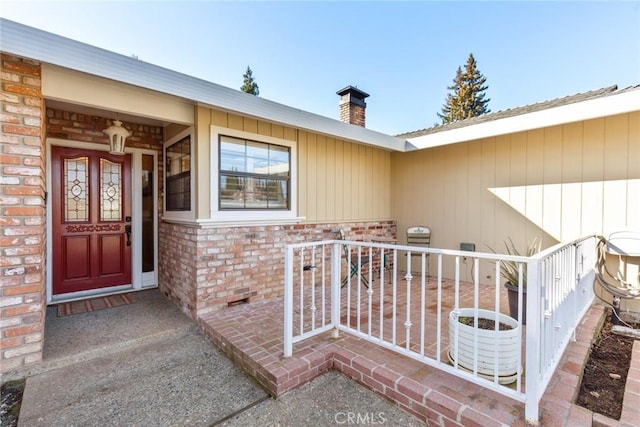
(403, 298)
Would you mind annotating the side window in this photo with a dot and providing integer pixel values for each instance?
(178, 166)
(178, 173)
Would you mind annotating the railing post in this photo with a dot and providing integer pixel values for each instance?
(288, 301)
(335, 288)
(532, 369)
(577, 274)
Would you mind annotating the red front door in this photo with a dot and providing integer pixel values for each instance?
(91, 193)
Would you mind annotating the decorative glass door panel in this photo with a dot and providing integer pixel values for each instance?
(91, 219)
(110, 191)
(76, 192)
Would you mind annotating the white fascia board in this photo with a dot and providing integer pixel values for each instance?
(621, 103)
(32, 43)
(264, 109)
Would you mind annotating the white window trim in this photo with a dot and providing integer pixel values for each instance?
(180, 215)
(253, 216)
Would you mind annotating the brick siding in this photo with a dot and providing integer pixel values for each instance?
(22, 222)
(22, 201)
(234, 264)
(177, 248)
(353, 114)
(88, 128)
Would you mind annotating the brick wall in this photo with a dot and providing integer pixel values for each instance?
(22, 222)
(205, 269)
(88, 128)
(353, 114)
(177, 249)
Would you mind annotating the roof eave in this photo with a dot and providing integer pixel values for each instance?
(617, 103)
(35, 44)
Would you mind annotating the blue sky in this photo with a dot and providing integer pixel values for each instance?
(404, 54)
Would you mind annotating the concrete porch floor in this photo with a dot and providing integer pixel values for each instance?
(148, 364)
(252, 336)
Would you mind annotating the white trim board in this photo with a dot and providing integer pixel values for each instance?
(620, 103)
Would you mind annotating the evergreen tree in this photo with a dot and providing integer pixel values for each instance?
(249, 85)
(467, 96)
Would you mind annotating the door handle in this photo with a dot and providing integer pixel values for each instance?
(127, 229)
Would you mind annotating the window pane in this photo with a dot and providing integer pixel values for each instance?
(279, 161)
(178, 173)
(255, 196)
(232, 192)
(179, 192)
(232, 155)
(277, 194)
(76, 189)
(110, 191)
(148, 213)
(257, 158)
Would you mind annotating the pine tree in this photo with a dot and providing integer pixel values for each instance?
(467, 97)
(249, 85)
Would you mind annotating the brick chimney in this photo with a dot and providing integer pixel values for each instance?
(352, 105)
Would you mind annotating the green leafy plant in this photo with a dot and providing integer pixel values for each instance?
(510, 269)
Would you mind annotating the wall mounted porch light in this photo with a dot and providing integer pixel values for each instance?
(117, 134)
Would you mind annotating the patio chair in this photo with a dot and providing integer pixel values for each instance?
(354, 267)
(419, 235)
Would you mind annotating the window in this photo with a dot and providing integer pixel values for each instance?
(178, 176)
(253, 175)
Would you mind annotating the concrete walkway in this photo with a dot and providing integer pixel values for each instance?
(148, 364)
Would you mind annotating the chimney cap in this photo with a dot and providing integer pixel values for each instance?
(354, 91)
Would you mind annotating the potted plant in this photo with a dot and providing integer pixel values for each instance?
(461, 343)
(510, 272)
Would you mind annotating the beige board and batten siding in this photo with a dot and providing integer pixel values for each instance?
(555, 183)
(338, 181)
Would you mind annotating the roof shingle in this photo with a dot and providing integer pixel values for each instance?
(511, 112)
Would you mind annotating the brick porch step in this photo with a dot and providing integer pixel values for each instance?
(252, 336)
